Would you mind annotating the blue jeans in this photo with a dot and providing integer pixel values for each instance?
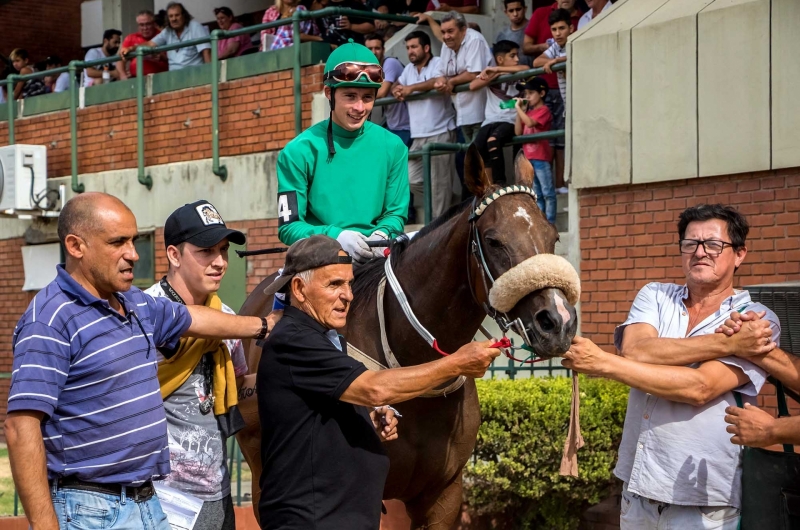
(86, 509)
(404, 134)
(544, 188)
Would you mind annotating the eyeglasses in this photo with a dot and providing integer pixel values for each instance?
(712, 247)
(350, 72)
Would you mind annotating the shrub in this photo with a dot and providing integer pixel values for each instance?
(513, 477)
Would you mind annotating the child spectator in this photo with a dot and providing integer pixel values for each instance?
(31, 87)
(498, 125)
(281, 37)
(533, 117)
(515, 31)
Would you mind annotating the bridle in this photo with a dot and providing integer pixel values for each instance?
(474, 249)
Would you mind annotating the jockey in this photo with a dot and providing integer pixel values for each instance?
(345, 177)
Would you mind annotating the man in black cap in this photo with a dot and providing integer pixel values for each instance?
(199, 380)
(323, 465)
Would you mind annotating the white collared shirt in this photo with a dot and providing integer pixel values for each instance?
(473, 56)
(430, 116)
(587, 17)
(675, 452)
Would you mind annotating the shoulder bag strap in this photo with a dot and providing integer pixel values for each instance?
(783, 411)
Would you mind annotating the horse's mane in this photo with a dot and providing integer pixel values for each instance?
(369, 275)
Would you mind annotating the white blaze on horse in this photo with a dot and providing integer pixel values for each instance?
(491, 255)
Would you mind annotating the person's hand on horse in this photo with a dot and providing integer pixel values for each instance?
(586, 357)
(750, 426)
(475, 357)
(750, 335)
(378, 235)
(384, 420)
(355, 244)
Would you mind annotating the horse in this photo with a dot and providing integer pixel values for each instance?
(446, 272)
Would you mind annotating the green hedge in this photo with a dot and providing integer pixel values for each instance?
(512, 479)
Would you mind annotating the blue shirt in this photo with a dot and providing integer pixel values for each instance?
(674, 452)
(183, 57)
(92, 372)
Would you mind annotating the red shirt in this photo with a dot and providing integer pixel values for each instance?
(453, 3)
(541, 149)
(539, 30)
(152, 64)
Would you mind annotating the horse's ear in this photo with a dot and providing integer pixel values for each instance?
(475, 177)
(523, 170)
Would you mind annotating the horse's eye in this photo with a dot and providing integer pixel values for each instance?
(494, 243)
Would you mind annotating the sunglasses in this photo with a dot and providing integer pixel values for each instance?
(350, 72)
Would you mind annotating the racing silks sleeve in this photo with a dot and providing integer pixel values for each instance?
(396, 199)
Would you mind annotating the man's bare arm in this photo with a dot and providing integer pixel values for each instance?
(401, 384)
(533, 50)
(640, 342)
(29, 467)
(383, 91)
(209, 323)
(695, 386)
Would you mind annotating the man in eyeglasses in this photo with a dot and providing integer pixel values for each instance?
(676, 461)
(153, 64)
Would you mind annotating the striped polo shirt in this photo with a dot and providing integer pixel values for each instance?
(92, 371)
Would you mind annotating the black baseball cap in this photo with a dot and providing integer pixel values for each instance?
(535, 83)
(310, 253)
(200, 224)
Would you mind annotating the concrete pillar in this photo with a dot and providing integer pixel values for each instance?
(121, 14)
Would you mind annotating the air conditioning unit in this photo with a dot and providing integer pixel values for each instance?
(784, 300)
(23, 176)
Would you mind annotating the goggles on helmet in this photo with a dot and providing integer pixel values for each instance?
(350, 72)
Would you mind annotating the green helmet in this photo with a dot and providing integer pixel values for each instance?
(350, 52)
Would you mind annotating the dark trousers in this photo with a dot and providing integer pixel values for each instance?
(492, 150)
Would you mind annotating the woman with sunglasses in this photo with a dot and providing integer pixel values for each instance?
(345, 177)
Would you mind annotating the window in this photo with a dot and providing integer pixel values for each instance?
(144, 270)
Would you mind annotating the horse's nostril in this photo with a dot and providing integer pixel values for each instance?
(546, 323)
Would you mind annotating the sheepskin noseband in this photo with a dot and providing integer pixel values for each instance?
(538, 272)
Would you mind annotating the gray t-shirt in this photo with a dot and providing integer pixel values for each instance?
(197, 453)
(397, 114)
(518, 36)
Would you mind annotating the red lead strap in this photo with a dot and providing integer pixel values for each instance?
(504, 344)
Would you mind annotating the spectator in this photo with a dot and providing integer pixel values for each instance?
(396, 7)
(469, 7)
(515, 31)
(281, 37)
(498, 126)
(94, 75)
(84, 382)
(154, 63)
(31, 87)
(538, 37)
(160, 20)
(5, 70)
(431, 120)
(465, 55)
(234, 46)
(678, 467)
(182, 27)
(396, 115)
(595, 8)
(557, 52)
(199, 380)
(752, 426)
(336, 30)
(533, 117)
(60, 83)
(474, 26)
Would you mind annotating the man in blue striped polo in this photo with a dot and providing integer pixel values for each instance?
(86, 427)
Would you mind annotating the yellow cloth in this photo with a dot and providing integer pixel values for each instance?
(173, 372)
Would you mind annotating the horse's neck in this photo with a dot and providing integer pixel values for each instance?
(434, 275)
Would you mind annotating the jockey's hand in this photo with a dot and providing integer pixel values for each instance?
(475, 357)
(355, 244)
(384, 419)
(378, 235)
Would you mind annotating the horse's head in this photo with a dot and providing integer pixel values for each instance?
(515, 273)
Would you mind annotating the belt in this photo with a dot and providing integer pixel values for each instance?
(137, 494)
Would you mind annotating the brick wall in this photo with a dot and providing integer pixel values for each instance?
(629, 238)
(14, 303)
(43, 27)
(107, 133)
